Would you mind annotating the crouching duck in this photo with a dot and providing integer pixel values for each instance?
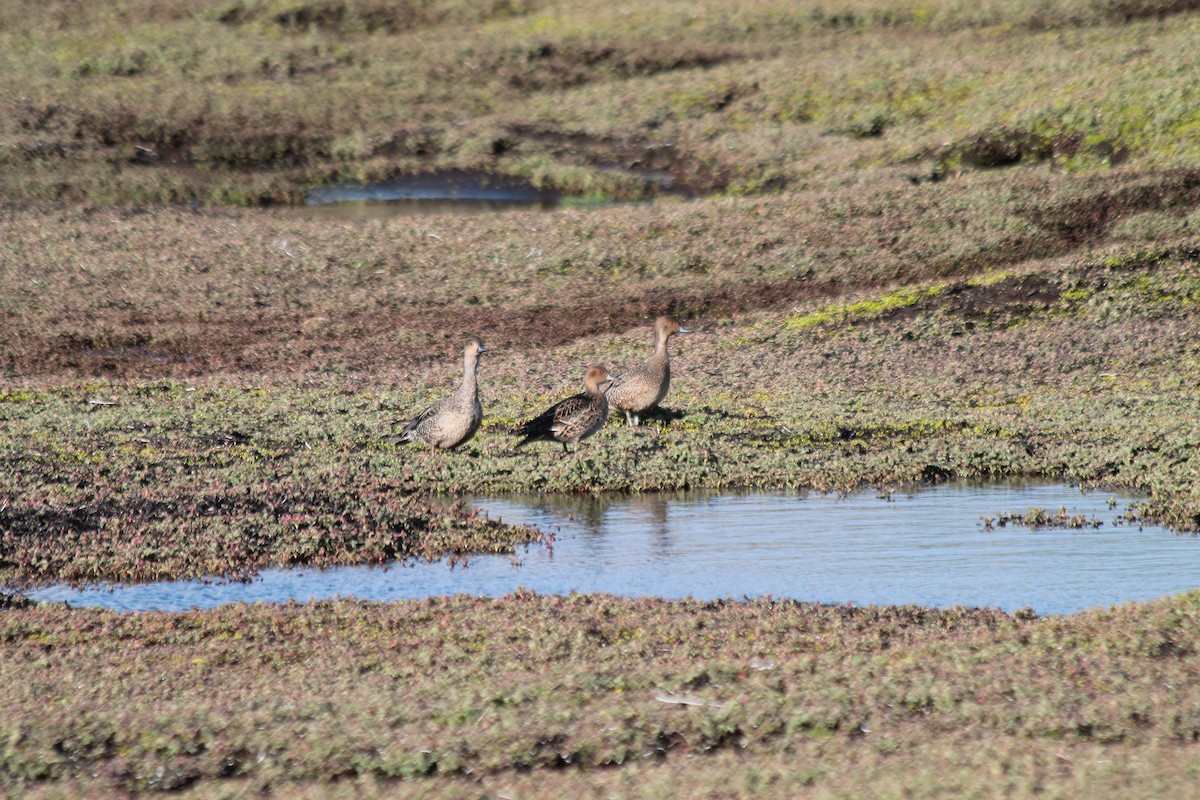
(571, 420)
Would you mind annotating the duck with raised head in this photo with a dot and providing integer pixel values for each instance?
(454, 420)
(643, 387)
(571, 420)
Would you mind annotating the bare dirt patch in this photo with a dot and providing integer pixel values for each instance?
(549, 65)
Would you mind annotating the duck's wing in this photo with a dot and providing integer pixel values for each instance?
(582, 419)
(412, 424)
(568, 411)
(549, 420)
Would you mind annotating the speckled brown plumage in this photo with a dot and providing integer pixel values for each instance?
(454, 420)
(573, 419)
(643, 387)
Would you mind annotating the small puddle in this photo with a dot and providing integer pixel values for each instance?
(447, 191)
(927, 547)
(426, 194)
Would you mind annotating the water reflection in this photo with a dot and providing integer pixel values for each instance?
(927, 547)
(590, 516)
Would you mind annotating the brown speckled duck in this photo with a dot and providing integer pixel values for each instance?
(452, 421)
(645, 386)
(571, 420)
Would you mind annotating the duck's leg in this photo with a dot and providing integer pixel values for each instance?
(566, 449)
(630, 420)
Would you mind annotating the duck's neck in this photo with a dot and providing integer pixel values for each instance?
(660, 347)
(470, 371)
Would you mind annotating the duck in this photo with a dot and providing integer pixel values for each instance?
(574, 419)
(644, 386)
(452, 421)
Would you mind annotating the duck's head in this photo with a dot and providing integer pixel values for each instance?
(597, 380)
(475, 347)
(665, 327)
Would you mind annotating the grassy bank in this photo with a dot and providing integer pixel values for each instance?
(595, 696)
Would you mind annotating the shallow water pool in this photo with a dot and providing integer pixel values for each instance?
(928, 547)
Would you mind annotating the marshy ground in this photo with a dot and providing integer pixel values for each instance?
(932, 240)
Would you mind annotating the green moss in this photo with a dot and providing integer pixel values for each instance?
(1076, 295)
(991, 278)
(864, 309)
